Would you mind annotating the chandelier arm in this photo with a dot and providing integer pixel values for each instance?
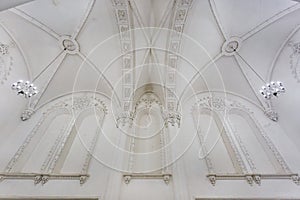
(252, 69)
(47, 67)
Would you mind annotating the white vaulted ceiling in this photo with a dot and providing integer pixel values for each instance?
(34, 31)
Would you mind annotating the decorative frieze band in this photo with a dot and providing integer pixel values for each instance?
(294, 59)
(178, 22)
(122, 12)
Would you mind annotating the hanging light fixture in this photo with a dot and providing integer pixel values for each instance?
(25, 88)
(269, 90)
(272, 89)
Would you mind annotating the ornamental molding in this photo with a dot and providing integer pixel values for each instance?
(172, 118)
(77, 104)
(74, 105)
(126, 118)
(219, 104)
(294, 59)
(123, 20)
(6, 63)
(180, 13)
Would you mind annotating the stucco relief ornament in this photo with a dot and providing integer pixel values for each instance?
(127, 179)
(125, 118)
(3, 49)
(217, 103)
(172, 117)
(294, 60)
(257, 179)
(166, 178)
(249, 180)
(26, 114)
(296, 179)
(212, 179)
(83, 179)
(6, 62)
(45, 179)
(37, 179)
(271, 114)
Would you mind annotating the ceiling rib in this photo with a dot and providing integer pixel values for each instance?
(6, 4)
(213, 8)
(270, 21)
(36, 23)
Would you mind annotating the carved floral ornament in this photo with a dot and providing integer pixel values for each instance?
(78, 104)
(146, 102)
(218, 104)
(6, 63)
(294, 60)
(73, 105)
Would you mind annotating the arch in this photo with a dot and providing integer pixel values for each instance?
(148, 138)
(216, 125)
(76, 107)
(229, 105)
(264, 142)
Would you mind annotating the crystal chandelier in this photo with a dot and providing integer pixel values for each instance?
(27, 88)
(24, 88)
(269, 90)
(272, 89)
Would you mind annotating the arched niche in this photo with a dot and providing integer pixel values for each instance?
(238, 116)
(215, 147)
(81, 142)
(147, 138)
(259, 151)
(48, 145)
(40, 139)
(286, 68)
